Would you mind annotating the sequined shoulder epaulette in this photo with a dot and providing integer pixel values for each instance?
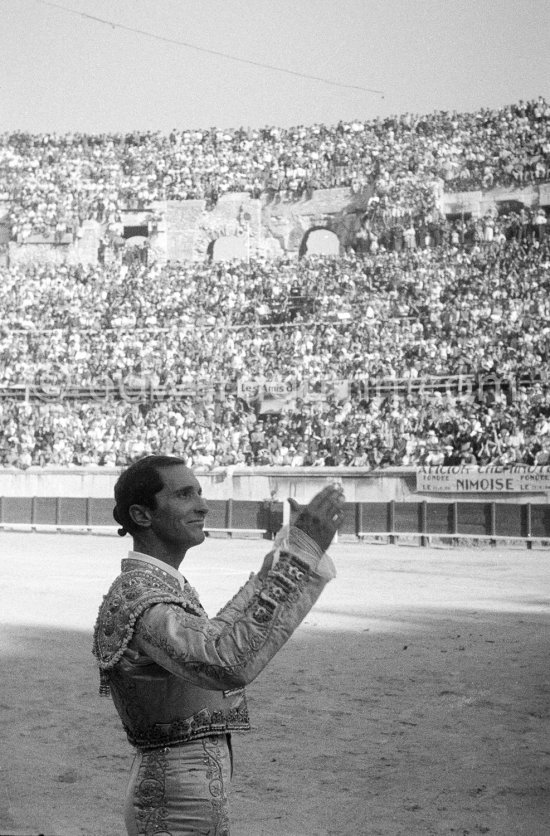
(135, 590)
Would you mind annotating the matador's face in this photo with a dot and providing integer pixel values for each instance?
(178, 518)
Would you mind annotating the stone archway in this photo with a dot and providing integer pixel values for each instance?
(320, 241)
(141, 231)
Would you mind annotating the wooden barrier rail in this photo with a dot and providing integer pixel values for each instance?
(451, 521)
(66, 513)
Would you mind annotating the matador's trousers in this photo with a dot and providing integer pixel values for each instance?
(181, 790)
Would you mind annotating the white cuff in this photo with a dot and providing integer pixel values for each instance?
(296, 542)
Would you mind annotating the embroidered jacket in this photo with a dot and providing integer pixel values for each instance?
(174, 674)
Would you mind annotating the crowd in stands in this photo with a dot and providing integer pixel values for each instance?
(53, 183)
(214, 433)
(426, 342)
(432, 354)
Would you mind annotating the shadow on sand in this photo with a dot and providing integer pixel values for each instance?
(426, 722)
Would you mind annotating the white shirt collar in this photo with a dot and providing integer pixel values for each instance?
(160, 564)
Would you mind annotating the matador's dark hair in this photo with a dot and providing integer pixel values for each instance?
(138, 485)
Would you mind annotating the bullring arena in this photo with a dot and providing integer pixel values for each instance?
(360, 299)
(414, 699)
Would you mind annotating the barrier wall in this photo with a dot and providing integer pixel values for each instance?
(450, 520)
(385, 503)
(453, 520)
(263, 483)
(93, 513)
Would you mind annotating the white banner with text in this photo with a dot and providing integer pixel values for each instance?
(484, 479)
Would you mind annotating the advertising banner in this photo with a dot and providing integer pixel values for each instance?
(487, 479)
(277, 395)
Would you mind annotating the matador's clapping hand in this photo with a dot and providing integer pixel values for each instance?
(321, 518)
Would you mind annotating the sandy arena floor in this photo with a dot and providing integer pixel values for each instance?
(413, 701)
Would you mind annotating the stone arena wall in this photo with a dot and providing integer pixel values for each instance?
(266, 227)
